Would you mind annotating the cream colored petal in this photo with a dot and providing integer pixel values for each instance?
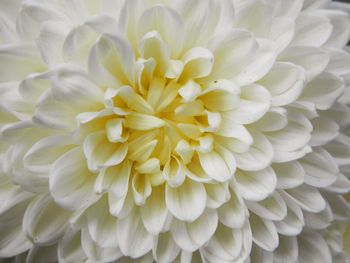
(174, 172)
(42, 254)
(192, 235)
(341, 32)
(141, 188)
(114, 179)
(190, 91)
(116, 131)
(282, 29)
(71, 183)
(114, 56)
(154, 212)
(215, 166)
(101, 153)
(341, 185)
(222, 95)
(153, 46)
(102, 226)
(143, 122)
(134, 239)
(257, 185)
(186, 202)
(198, 63)
(121, 206)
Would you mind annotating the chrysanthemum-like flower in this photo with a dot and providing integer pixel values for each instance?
(174, 130)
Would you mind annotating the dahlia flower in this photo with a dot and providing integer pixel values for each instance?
(174, 131)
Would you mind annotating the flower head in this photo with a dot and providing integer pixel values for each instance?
(174, 131)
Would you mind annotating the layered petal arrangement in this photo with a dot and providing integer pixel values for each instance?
(174, 131)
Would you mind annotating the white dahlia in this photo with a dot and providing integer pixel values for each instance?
(174, 131)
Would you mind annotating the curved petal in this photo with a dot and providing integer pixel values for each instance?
(44, 222)
(164, 248)
(256, 186)
(134, 239)
(264, 233)
(187, 201)
(289, 174)
(71, 183)
(192, 235)
(312, 246)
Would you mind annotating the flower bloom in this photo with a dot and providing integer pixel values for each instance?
(174, 131)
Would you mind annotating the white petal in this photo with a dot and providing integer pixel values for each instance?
(44, 222)
(233, 213)
(50, 41)
(282, 30)
(226, 243)
(45, 151)
(341, 32)
(215, 166)
(285, 82)
(154, 212)
(308, 198)
(312, 59)
(341, 185)
(293, 223)
(264, 233)
(275, 119)
(311, 30)
(18, 61)
(71, 183)
(192, 235)
(217, 194)
(186, 202)
(287, 250)
(272, 208)
(259, 65)
(165, 249)
(97, 253)
(134, 239)
(289, 174)
(319, 221)
(313, 248)
(167, 22)
(232, 50)
(69, 246)
(255, 102)
(42, 254)
(323, 91)
(258, 156)
(325, 130)
(320, 168)
(256, 186)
